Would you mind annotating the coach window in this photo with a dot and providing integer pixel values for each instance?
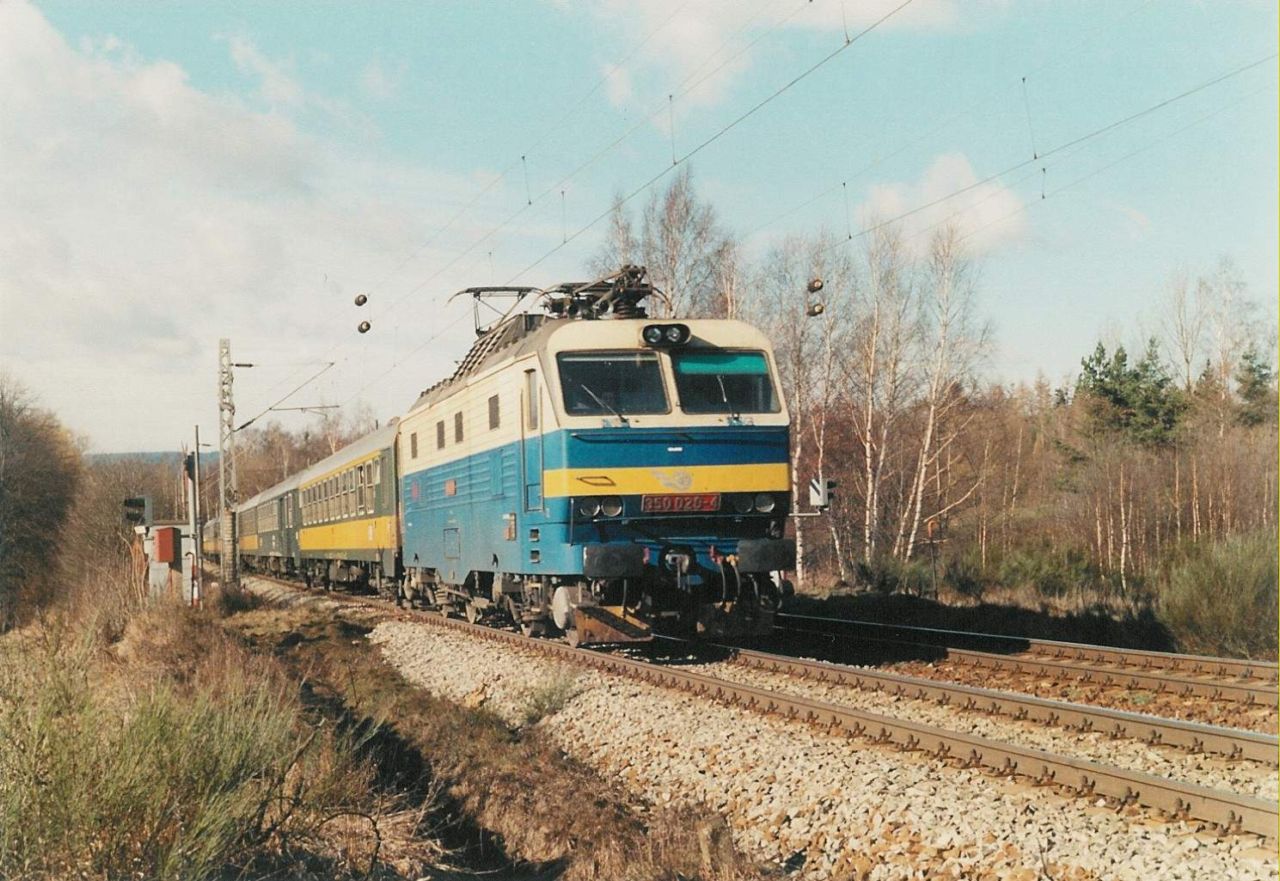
(457, 427)
(494, 414)
(413, 445)
(531, 399)
(360, 489)
(351, 492)
(374, 483)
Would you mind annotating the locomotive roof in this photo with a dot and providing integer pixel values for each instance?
(527, 333)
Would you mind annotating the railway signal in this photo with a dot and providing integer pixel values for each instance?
(821, 492)
(137, 510)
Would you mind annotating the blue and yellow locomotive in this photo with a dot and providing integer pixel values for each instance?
(593, 472)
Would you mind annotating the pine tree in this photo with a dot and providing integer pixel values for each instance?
(1139, 402)
(1254, 380)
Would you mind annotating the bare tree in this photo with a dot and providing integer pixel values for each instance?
(880, 375)
(620, 246)
(951, 342)
(1184, 320)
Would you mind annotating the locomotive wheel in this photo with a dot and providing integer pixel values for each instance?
(472, 613)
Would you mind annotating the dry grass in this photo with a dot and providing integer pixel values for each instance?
(516, 786)
(146, 742)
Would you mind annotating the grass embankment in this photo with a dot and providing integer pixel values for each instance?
(516, 785)
(153, 744)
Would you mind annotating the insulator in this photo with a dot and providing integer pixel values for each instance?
(361, 299)
(364, 326)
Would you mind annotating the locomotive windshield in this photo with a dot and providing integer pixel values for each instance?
(724, 382)
(611, 383)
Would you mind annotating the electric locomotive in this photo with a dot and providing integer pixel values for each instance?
(594, 472)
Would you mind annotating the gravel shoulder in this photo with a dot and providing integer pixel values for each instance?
(818, 802)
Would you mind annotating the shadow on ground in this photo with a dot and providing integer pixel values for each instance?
(985, 627)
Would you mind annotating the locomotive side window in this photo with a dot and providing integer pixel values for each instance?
(457, 427)
(494, 414)
(531, 400)
(440, 435)
(724, 382)
(413, 445)
(611, 383)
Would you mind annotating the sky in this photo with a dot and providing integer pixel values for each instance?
(175, 173)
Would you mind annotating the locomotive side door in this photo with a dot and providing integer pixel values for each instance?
(531, 441)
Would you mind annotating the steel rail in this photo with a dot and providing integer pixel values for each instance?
(1265, 695)
(1231, 811)
(1245, 691)
(1233, 743)
(1202, 665)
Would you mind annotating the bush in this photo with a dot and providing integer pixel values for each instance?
(548, 698)
(887, 575)
(1221, 597)
(1049, 572)
(964, 576)
(177, 755)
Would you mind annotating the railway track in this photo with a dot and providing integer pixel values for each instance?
(1250, 682)
(1233, 812)
(1192, 736)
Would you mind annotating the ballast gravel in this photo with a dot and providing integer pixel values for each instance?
(821, 804)
(1247, 777)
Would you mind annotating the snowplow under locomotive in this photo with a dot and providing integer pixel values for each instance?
(586, 471)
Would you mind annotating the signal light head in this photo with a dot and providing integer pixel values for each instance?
(665, 334)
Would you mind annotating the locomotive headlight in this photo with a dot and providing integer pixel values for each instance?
(742, 504)
(765, 503)
(665, 334)
(611, 506)
(589, 507)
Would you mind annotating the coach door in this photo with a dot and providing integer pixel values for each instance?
(531, 442)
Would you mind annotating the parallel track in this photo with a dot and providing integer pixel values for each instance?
(1155, 730)
(1232, 812)
(1188, 675)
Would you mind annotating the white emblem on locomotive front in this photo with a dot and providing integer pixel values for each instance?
(677, 480)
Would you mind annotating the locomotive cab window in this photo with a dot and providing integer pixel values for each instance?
(724, 382)
(611, 383)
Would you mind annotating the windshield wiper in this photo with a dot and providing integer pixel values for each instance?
(724, 396)
(599, 400)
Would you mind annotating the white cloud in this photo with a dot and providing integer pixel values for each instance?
(142, 218)
(277, 81)
(701, 48)
(987, 214)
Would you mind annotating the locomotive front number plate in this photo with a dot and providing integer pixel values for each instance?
(687, 503)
